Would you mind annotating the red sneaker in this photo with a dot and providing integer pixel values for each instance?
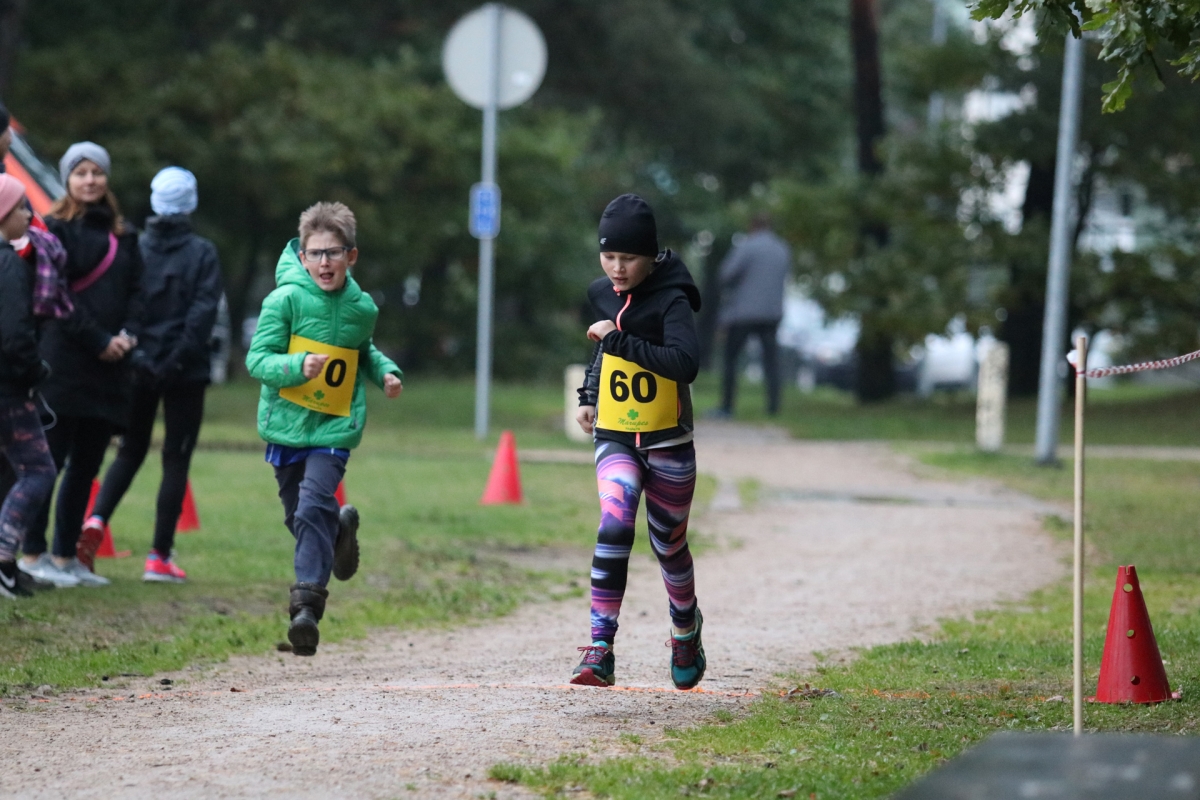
(90, 540)
(159, 570)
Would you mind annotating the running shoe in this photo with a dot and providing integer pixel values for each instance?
(10, 583)
(86, 577)
(687, 656)
(45, 570)
(597, 667)
(345, 550)
(162, 570)
(90, 539)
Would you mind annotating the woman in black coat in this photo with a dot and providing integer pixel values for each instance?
(90, 389)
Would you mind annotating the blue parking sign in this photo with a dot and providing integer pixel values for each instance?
(484, 221)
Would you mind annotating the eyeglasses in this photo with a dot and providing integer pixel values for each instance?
(332, 253)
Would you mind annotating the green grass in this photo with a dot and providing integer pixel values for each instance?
(432, 554)
(902, 710)
(1128, 414)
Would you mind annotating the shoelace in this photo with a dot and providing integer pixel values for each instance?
(593, 654)
(683, 653)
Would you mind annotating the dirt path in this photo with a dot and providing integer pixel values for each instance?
(845, 547)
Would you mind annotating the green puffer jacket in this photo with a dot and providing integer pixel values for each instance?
(345, 318)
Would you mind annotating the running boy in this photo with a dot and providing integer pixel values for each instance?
(636, 402)
(22, 441)
(312, 342)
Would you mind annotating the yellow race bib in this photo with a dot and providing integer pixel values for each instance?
(332, 391)
(635, 400)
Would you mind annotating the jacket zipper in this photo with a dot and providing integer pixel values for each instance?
(637, 437)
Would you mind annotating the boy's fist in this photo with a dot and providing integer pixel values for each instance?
(392, 387)
(586, 417)
(313, 364)
(601, 329)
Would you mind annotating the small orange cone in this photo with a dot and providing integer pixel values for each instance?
(106, 549)
(1132, 669)
(504, 482)
(189, 520)
(340, 494)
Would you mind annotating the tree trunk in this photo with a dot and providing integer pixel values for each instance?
(868, 84)
(12, 13)
(876, 375)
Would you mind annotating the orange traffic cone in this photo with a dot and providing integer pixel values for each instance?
(106, 549)
(189, 520)
(1132, 669)
(504, 482)
(340, 494)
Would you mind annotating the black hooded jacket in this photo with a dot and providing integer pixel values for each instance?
(181, 287)
(21, 367)
(656, 330)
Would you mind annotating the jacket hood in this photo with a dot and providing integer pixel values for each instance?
(168, 232)
(290, 272)
(670, 273)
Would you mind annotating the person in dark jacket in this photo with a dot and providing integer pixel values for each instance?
(636, 402)
(181, 288)
(752, 287)
(90, 389)
(21, 371)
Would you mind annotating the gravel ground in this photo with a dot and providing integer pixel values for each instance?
(845, 547)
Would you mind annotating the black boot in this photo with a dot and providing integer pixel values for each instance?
(307, 606)
(345, 550)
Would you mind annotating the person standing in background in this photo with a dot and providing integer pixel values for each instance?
(181, 288)
(90, 388)
(752, 278)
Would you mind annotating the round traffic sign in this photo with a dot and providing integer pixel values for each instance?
(522, 56)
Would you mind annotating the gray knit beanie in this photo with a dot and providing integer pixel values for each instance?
(83, 151)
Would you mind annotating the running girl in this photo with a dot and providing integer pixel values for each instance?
(636, 402)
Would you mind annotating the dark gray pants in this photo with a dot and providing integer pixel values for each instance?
(310, 512)
(735, 339)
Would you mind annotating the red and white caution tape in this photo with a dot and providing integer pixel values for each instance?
(1104, 372)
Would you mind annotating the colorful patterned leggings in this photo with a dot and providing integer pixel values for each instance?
(24, 446)
(668, 476)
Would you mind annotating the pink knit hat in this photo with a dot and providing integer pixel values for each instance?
(11, 193)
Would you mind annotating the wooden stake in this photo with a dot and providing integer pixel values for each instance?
(1081, 345)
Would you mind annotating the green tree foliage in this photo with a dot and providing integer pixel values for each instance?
(275, 105)
(1133, 33)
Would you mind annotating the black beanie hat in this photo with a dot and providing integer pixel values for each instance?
(627, 226)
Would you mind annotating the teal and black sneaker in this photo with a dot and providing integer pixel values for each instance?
(597, 667)
(687, 656)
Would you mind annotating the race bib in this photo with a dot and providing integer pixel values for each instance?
(332, 391)
(635, 400)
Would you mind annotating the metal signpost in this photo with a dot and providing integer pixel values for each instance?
(1054, 326)
(494, 58)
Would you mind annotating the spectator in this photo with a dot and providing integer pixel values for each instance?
(181, 288)
(22, 443)
(752, 280)
(90, 389)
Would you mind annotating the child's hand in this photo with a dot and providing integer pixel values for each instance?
(601, 329)
(586, 417)
(392, 387)
(313, 364)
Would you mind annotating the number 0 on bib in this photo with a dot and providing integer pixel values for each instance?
(332, 390)
(635, 400)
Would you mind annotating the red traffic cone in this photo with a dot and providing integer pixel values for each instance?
(106, 548)
(189, 520)
(504, 482)
(340, 494)
(1132, 669)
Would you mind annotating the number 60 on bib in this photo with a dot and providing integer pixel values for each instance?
(634, 399)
